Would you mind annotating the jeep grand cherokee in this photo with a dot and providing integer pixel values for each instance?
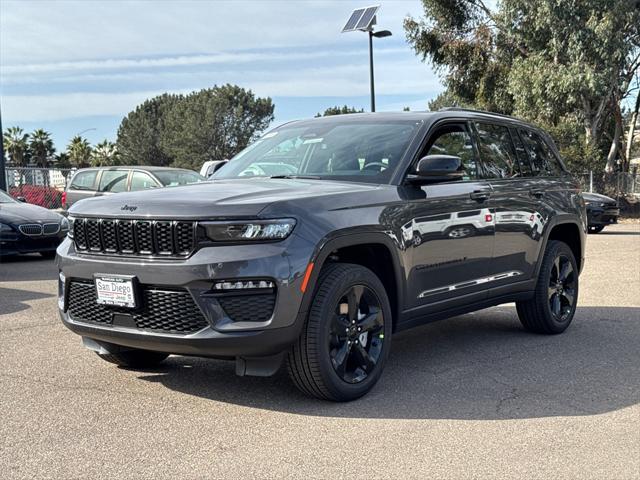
(374, 223)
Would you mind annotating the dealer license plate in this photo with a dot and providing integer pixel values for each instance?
(116, 291)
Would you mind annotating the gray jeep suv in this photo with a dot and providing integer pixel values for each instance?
(389, 221)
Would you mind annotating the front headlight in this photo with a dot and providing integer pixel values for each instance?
(64, 225)
(249, 231)
(5, 228)
(70, 221)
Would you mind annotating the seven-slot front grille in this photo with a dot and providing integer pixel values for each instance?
(135, 237)
(165, 311)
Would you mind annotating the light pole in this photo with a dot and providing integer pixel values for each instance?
(380, 34)
(363, 20)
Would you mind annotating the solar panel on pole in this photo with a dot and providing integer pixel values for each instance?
(350, 26)
(367, 18)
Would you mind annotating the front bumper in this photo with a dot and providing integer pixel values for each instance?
(14, 243)
(224, 335)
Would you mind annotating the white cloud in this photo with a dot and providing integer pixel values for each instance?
(121, 53)
(52, 31)
(182, 61)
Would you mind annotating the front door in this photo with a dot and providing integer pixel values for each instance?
(448, 230)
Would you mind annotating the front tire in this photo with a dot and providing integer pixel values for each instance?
(134, 358)
(346, 337)
(553, 305)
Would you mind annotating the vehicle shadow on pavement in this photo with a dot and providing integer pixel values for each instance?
(13, 300)
(24, 268)
(477, 366)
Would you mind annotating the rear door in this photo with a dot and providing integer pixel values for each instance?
(83, 185)
(518, 201)
(448, 230)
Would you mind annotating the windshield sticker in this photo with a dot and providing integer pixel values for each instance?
(312, 140)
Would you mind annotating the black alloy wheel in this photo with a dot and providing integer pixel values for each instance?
(553, 305)
(346, 337)
(562, 288)
(356, 334)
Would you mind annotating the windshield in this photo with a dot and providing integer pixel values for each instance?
(173, 178)
(365, 151)
(4, 198)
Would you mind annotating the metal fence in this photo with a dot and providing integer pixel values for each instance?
(38, 186)
(611, 184)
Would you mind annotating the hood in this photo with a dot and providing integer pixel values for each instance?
(596, 197)
(215, 199)
(19, 213)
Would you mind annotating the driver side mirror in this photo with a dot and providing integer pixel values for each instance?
(438, 168)
(21, 199)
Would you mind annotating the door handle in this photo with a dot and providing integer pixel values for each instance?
(480, 195)
(536, 193)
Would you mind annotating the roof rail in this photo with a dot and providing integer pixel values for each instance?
(471, 110)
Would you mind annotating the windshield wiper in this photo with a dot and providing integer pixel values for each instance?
(303, 177)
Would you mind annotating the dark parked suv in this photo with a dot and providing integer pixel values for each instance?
(389, 221)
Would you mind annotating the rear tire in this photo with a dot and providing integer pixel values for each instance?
(135, 358)
(553, 305)
(346, 337)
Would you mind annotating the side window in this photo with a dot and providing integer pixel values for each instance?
(454, 140)
(543, 161)
(113, 181)
(84, 180)
(142, 181)
(521, 153)
(496, 151)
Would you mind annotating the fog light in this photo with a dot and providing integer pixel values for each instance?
(61, 285)
(243, 285)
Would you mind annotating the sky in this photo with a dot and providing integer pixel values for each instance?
(81, 66)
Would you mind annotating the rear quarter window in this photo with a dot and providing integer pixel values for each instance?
(543, 160)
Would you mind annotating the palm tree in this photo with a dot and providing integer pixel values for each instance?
(79, 151)
(16, 144)
(42, 150)
(105, 153)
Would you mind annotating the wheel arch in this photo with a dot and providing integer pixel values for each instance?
(373, 250)
(569, 231)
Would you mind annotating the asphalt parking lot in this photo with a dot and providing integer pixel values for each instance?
(471, 397)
